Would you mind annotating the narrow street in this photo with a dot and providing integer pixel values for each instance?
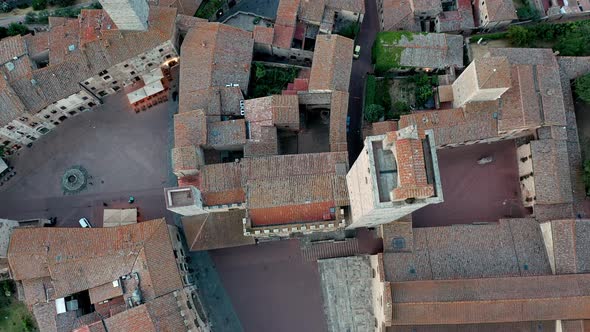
(360, 68)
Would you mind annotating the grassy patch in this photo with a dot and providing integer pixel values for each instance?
(386, 54)
(14, 316)
(267, 80)
(489, 36)
(208, 8)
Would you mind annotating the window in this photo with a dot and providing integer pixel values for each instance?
(86, 83)
(34, 124)
(72, 112)
(102, 93)
(102, 72)
(91, 104)
(161, 50)
(46, 116)
(126, 65)
(53, 111)
(106, 78)
(486, 17)
(23, 119)
(175, 254)
(10, 128)
(150, 64)
(114, 82)
(178, 236)
(132, 73)
(116, 88)
(168, 56)
(142, 58)
(181, 252)
(80, 108)
(62, 107)
(84, 98)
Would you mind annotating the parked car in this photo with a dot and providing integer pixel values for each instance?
(357, 52)
(85, 223)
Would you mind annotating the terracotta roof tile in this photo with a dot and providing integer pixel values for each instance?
(64, 37)
(263, 35)
(471, 251)
(332, 63)
(38, 43)
(491, 300)
(312, 10)
(398, 15)
(224, 134)
(221, 184)
(216, 230)
(11, 47)
(104, 292)
(409, 156)
(77, 259)
(551, 172)
(218, 55)
(432, 50)
(338, 126)
(500, 10)
(190, 129)
(11, 107)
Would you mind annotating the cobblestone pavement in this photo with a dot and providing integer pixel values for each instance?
(271, 287)
(124, 152)
(472, 192)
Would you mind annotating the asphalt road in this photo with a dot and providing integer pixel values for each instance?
(360, 68)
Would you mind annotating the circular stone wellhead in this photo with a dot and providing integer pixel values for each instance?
(74, 180)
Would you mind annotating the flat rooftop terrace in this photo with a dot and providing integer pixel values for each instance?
(472, 192)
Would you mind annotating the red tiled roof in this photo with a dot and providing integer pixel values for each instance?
(215, 55)
(221, 184)
(77, 259)
(338, 116)
(190, 129)
(64, 38)
(491, 300)
(284, 28)
(224, 134)
(263, 35)
(332, 63)
(398, 15)
(37, 43)
(92, 23)
(216, 230)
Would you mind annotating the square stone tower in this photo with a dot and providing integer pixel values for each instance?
(128, 14)
(395, 175)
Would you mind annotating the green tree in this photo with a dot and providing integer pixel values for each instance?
(39, 4)
(2, 150)
(520, 36)
(350, 31)
(374, 112)
(586, 176)
(5, 7)
(582, 87)
(17, 29)
(574, 43)
(527, 13)
(260, 71)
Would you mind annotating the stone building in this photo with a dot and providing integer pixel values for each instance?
(394, 175)
(51, 76)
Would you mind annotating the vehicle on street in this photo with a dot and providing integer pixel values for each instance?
(357, 52)
(85, 223)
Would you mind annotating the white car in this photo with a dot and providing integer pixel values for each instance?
(85, 223)
(357, 52)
